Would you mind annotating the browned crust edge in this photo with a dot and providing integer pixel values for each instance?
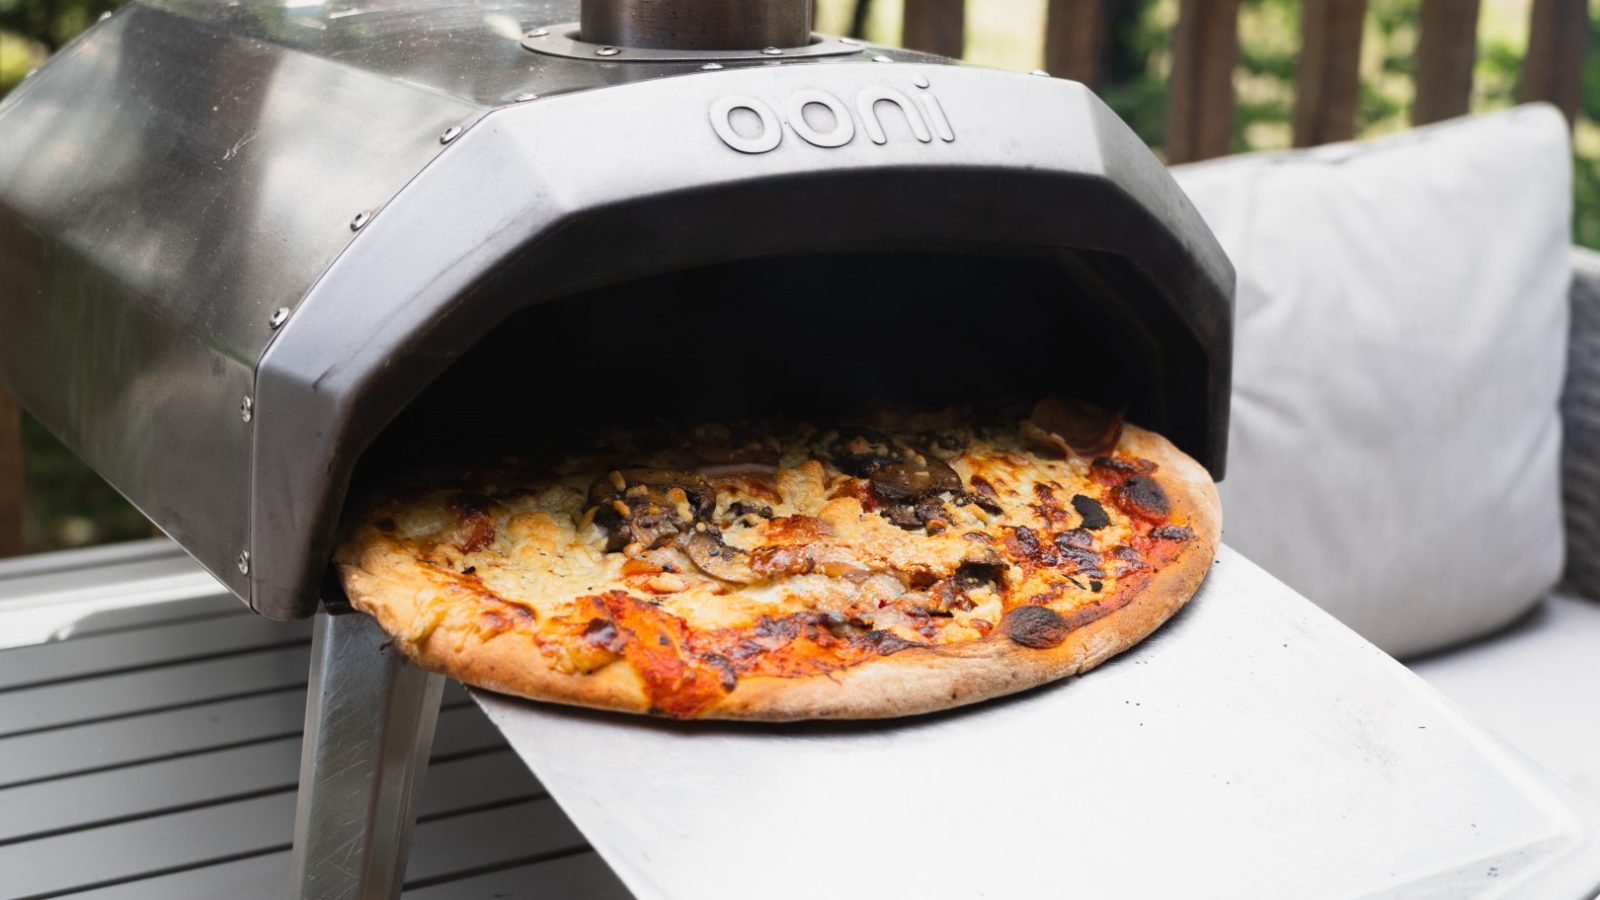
(382, 583)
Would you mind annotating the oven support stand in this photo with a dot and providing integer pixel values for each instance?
(370, 716)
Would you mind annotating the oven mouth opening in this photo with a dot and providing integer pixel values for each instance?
(812, 337)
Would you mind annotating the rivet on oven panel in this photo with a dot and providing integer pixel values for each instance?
(881, 59)
(539, 32)
(450, 134)
(104, 16)
(849, 40)
(361, 219)
(246, 409)
(710, 67)
(524, 98)
(607, 51)
(279, 316)
(772, 51)
(244, 562)
(29, 74)
(1040, 72)
(920, 81)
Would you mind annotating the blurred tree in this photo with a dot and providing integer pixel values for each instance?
(51, 23)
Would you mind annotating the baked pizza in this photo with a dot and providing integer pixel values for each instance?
(897, 564)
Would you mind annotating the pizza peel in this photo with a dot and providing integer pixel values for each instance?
(1252, 747)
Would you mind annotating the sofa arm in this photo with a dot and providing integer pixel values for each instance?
(1580, 415)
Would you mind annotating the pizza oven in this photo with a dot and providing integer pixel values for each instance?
(251, 249)
(238, 241)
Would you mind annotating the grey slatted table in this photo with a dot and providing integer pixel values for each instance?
(152, 750)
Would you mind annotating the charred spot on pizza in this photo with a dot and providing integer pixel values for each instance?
(1111, 471)
(1024, 546)
(1172, 533)
(984, 496)
(730, 677)
(1127, 560)
(1036, 627)
(603, 633)
(1083, 562)
(1142, 496)
(886, 643)
(1094, 515)
(475, 529)
(1074, 538)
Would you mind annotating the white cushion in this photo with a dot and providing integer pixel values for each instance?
(1401, 334)
(1535, 685)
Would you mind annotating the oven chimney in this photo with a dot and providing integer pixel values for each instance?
(697, 24)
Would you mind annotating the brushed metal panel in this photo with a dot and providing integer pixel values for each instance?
(164, 187)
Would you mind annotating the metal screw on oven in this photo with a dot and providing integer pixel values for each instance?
(279, 316)
(1040, 72)
(104, 16)
(361, 219)
(881, 58)
(244, 562)
(450, 134)
(710, 67)
(524, 98)
(246, 409)
(607, 51)
(772, 51)
(920, 81)
(850, 40)
(539, 32)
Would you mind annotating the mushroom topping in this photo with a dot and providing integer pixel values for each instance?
(910, 481)
(706, 550)
(861, 454)
(910, 492)
(649, 507)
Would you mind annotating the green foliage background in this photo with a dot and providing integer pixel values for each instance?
(70, 506)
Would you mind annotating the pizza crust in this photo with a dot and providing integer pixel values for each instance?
(385, 582)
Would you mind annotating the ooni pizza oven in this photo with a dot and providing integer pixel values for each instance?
(242, 242)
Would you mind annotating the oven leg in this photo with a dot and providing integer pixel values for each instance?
(370, 716)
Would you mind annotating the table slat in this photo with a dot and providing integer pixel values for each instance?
(106, 653)
(125, 694)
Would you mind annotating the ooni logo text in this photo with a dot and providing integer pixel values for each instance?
(751, 125)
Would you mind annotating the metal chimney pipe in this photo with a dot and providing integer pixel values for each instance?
(697, 24)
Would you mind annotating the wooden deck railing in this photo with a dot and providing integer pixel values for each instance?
(1200, 104)
(1205, 50)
